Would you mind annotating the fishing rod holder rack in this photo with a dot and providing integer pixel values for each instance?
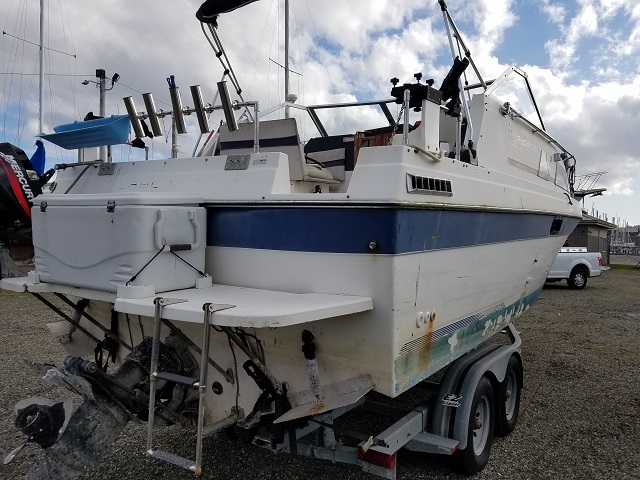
(178, 112)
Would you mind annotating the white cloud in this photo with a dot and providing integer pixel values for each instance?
(562, 53)
(556, 12)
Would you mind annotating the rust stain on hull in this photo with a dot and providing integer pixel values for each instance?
(413, 364)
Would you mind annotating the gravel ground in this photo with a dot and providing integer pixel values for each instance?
(579, 416)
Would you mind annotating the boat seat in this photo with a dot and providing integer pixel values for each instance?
(275, 136)
(336, 153)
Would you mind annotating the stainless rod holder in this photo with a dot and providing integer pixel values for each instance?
(405, 120)
(227, 107)
(178, 115)
(256, 128)
(198, 105)
(133, 117)
(156, 126)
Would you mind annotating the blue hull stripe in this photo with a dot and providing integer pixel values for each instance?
(351, 230)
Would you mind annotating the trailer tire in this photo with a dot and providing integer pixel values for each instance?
(480, 432)
(509, 394)
(578, 278)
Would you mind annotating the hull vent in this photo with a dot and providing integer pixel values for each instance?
(428, 185)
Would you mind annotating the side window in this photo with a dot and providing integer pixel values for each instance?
(561, 176)
(543, 168)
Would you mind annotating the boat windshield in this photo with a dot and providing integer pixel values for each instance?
(338, 118)
(514, 90)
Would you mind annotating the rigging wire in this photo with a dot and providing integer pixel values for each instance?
(22, 113)
(302, 100)
(73, 49)
(18, 85)
(13, 58)
(255, 63)
(282, 67)
(53, 100)
(37, 44)
(279, 30)
(324, 61)
(273, 35)
(46, 74)
(120, 84)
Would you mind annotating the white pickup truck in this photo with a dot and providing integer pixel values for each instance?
(575, 265)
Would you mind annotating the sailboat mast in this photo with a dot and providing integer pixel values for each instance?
(286, 57)
(41, 79)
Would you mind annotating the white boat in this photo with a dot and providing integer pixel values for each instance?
(387, 253)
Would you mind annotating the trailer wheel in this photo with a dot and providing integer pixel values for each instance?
(480, 433)
(509, 398)
(578, 278)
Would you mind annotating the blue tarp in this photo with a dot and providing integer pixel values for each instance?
(38, 159)
(112, 130)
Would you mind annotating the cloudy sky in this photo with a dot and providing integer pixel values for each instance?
(581, 57)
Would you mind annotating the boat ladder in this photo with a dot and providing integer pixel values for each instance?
(155, 375)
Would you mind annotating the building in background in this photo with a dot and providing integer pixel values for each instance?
(593, 233)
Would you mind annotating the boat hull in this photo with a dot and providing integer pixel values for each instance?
(416, 326)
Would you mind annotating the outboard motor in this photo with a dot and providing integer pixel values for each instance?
(19, 185)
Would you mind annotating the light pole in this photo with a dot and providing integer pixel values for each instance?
(102, 87)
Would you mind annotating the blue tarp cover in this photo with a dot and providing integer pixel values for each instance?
(38, 158)
(112, 130)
